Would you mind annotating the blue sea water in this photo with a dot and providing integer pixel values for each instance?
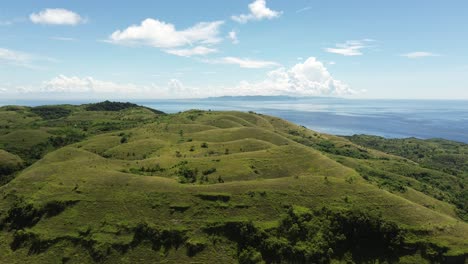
(387, 118)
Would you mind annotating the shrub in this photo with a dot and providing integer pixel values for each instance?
(224, 197)
(187, 175)
(250, 256)
(209, 171)
(124, 139)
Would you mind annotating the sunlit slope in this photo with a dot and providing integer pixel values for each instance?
(153, 192)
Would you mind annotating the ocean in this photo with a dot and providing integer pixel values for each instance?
(447, 119)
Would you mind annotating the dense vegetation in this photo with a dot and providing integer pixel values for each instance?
(33, 132)
(115, 106)
(446, 163)
(303, 236)
(51, 112)
(109, 106)
(119, 183)
(444, 155)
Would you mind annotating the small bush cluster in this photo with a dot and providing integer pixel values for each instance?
(187, 175)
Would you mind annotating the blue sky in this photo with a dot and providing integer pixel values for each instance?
(183, 49)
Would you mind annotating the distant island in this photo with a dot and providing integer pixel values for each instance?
(116, 182)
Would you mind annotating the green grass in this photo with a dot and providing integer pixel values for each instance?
(9, 165)
(119, 194)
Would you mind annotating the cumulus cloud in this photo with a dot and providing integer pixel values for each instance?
(56, 16)
(159, 34)
(73, 84)
(232, 35)
(90, 87)
(176, 88)
(350, 47)
(419, 54)
(310, 78)
(258, 11)
(244, 62)
(198, 50)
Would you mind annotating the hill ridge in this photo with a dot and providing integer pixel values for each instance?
(105, 186)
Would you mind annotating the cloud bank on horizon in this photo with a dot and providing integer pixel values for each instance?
(222, 47)
(310, 78)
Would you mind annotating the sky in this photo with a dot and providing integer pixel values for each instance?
(192, 49)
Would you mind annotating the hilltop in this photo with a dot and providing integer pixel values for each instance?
(116, 182)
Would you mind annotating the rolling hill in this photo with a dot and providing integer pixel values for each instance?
(120, 183)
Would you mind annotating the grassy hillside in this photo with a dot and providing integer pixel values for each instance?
(119, 183)
(9, 164)
(445, 162)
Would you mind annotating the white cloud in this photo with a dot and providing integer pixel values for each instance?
(88, 87)
(159, 34)
(232, 35)
(350, 47)
(64, 84)
(19, 58)
(303, 9)
(175, 87)
(258, 11)
(244, 62)
(419, 54)
(56, 16)
(63, 38)
(196, 51)
(310, 78)
(15, 57)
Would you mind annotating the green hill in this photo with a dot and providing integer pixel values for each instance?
(119, 183)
